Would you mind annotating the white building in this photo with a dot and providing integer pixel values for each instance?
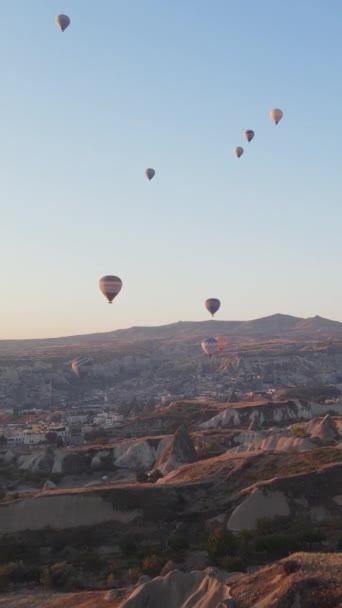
(15, 439)
(31, 438)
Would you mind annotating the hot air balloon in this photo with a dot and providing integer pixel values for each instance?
(81, 366)
(212, 305)
(238, 151)
(209, 346)
(110, 287)
(150, 173)
(276, 115)
(62, 21)
(221, 343)
(249, 134)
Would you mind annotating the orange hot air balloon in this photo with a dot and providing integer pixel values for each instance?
(110, 286)
(276, 115)
(222, 343)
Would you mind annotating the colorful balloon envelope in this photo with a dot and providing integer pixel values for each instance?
(221, 343)
(276, 115)
(209, 346)
(110, 286)
(62, 21)
(212, 305)
(81, 366)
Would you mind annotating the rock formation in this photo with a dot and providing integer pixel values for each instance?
(325, 430)
(177, 589)
(178, 450)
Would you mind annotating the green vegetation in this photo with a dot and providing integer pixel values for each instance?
(303, 462)
(60, 575)
(152, 565)
(298, 431)
(272, 539)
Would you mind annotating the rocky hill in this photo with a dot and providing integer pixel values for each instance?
(141, 363)
(300, 581)
(260, 481)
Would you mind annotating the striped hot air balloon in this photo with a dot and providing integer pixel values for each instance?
(221, 343)
(110, 286)
(209, 346)
(81, 366)
(212, 305)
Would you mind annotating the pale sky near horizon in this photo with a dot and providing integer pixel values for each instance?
(169, 85)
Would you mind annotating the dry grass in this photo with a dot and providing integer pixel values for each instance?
(315, 583)
(57, 600)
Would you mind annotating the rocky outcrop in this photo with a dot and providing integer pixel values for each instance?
(178, 450)
(138, 456)
(131, 455)
(311, 495)
(37, 462)
(258, 504)
(148, 506)
(49, 485)
(60, 512)
(269, 414)
(177, 589)
(325, 430)
(276, 440)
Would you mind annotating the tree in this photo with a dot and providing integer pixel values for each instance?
(221, 542)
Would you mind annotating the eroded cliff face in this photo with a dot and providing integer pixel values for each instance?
(145, 506)
(131, 455)
(315, 496)
(299, 367)
(269, 414)
(148, 509)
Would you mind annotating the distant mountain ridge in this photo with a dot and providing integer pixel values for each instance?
(270, 327)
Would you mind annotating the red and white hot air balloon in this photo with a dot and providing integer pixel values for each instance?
(110, 286)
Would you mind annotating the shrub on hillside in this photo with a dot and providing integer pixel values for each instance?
(133, 575)
(60, 575)
(299, 431)
(220, 543)
(168, 567)
(155, 475)
(152, 565)
(17, 573)
(277, 545)
(269, 525)
(141, 477)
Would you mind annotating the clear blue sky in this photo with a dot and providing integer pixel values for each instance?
(170, 85)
